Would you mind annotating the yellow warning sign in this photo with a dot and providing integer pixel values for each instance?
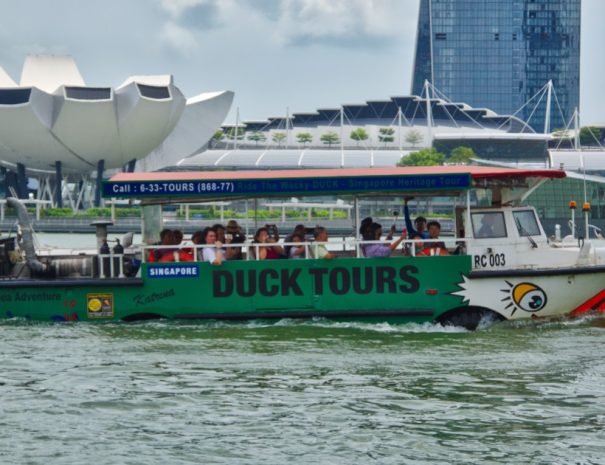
(99, 305)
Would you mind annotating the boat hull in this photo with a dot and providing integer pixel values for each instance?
(395, 290)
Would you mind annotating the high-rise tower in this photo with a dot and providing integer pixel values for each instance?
(499, 54)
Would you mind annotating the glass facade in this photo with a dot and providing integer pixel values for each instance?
(499, 54)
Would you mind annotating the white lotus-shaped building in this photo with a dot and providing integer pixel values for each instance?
(53, 116)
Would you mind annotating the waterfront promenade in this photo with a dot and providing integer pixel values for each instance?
(133, 224)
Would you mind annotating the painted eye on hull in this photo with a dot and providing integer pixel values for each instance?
(530, 298)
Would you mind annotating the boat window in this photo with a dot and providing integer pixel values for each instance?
(526, 222)
(488, 225)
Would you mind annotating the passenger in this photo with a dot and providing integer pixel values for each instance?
(163, 234)
(166, 254)
(365, 225)
(154, 255)
(374, 233)
(197, 237)
(298, 230)
(433, 248)
(364, 232)
(491, 226)
(201, 241)
(177, 235)
(214, 254)
(234, 235)
(297, 251)
(187, 254)
(321, 251)
(271, 252)
(419, 231)
(219, 229)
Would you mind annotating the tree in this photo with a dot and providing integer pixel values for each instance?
(217, 137)
(589, 135)
(235, 133)
(359, 135)
(562, 134)
(257, 137)
(426, 157)
(330, 138)
(461, 155)
(304, 138)
(414, 137)
(279, 137)
(386, 135)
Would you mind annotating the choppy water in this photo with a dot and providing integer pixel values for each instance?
(301, 393)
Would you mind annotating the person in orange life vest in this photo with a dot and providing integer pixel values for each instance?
(166, 254)
(187, 254)
(433, 248)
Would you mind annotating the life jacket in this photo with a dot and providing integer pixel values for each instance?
(167, 257)
(186, 255)
(432, 251)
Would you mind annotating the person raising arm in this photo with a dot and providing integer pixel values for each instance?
(420, 223)
(381, 250)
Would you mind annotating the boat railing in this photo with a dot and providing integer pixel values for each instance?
(348, 247)
(111, 265)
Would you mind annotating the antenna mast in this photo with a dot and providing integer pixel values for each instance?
(342, 140)
(548, 104)
(429, 114)
(236, 140)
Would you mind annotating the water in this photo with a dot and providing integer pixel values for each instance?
(301, 393)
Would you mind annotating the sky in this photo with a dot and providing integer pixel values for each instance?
(276, 55)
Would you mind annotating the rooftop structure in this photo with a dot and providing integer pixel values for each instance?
(390, 128)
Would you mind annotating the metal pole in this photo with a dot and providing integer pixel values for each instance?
(467, 226)
(287, 127)
(548, 103)
(99, 185)
(21, 181)
(342, 139)
(58, 185)
(255, 215)
(429, 114)
(399, 124)
(235, 144)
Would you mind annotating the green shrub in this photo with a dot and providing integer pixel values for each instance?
(90, 213)
(57, 213)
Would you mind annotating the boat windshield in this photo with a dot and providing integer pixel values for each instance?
(488, 225)
(527, 224)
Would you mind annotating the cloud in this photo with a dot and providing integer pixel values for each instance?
(176, 8)
(338, 23)
(343, 23)
(195, 14)
(179, 38)
(186, 18)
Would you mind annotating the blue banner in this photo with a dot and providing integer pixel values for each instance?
(174, 270)
(286, 186)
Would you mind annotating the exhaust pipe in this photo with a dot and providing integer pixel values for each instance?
(27, 236)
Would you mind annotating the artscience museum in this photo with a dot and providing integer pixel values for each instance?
(52, 124)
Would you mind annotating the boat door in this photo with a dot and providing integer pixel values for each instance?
(505, 237)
